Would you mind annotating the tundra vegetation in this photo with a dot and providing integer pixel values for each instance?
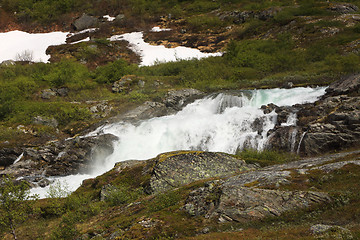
(304, 43)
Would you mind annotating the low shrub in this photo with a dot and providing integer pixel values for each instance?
(164, 200)
(266, 157)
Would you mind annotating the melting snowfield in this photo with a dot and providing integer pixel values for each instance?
(17, 44)
(224, 122)
(151, 55)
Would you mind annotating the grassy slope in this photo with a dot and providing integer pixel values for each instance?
(296, 45)
(83, 213)
(261, 55)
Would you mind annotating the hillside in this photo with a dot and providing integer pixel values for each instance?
(56, 118)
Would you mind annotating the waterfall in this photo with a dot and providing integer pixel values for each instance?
(301, 139)
(224, 122)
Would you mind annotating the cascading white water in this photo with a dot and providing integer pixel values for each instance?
(224, 122)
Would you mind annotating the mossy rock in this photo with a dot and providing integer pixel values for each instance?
(175, 169)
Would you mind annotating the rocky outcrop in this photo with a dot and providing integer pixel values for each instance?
(50, 122)
(343, 8)
(177, 99)
(125, 83)
(349, 85)
(244, 16)
(84, 22)
(60, 158)
(49, 93)
(332, 123)
(251, 195)
(175, 169)
(323, 231)
(8, 156)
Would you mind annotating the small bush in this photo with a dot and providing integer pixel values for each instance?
(266, 157)
(121, 194)
(113, 71)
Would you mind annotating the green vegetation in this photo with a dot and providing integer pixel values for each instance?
(14, 204)
(266, 157)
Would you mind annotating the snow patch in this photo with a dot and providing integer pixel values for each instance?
(158, 29)
(108, 18)
(16, 43)
(151, 55)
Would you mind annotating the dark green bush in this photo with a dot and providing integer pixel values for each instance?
(164, 200)
(113, 71)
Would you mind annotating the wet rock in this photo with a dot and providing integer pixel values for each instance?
(145, 111)
(176, 99)
(8, 156)
(84, 22)
(288, 85)
(62, 157)
(50, 122)
(174, 169)
(345, 86)
(323, 231)
(343, 8)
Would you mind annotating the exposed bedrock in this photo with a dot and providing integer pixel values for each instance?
(332, 123)
(60, 158)
(229, 189)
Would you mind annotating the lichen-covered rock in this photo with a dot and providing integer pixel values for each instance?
(323, 231)
(174, 169)
(84, 22)
(230, 201)
(50, 122)
(125, 83)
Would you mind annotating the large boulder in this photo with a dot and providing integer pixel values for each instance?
(176, 99)
(175, 169)
(84, 22)
(348, 85)
(231, 202)
(59, 158)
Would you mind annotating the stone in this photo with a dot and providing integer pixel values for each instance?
(124, 84)
(59, 158)
(50, 122)
(347, 85)
(175, 169)
(330, 232)
(62, 92)
(119, 18)
(288, 85)
(47, 94)
(106, 191)
(7, 63)
(178, 98)
(8, 156)
(343, 8)
(85, 22)
(232, 202)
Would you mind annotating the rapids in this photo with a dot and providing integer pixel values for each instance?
(224, 122)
